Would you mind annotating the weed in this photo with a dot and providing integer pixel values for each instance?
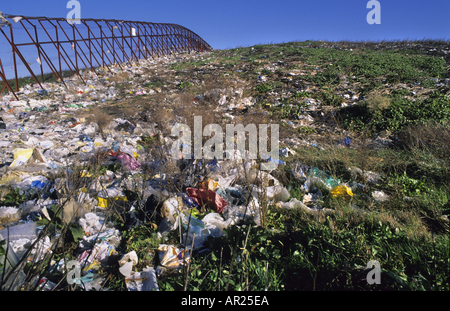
(263, 88)
(14, 197)
(329, 99)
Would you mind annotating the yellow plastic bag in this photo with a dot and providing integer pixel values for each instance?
(104, 202)
(93, 266)
(21, 156)
(85, 173)
(341, 192)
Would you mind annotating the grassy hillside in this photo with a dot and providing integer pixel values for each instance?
(349, 109)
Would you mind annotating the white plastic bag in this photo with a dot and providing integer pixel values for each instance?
(127, 262)
(215, 224)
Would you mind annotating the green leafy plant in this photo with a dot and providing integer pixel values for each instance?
(13, 197)
(185, 85)
(144, 241)
(408, 186)
(329, 99)
(2, 251)
(263, 88)
(306, 130)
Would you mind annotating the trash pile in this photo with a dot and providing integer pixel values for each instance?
(218, 194)
(63, 177)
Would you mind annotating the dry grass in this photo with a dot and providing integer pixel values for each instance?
(431, 137)
(377, 102)
(119, 78)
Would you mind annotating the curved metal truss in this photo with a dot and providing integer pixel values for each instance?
(87, 43)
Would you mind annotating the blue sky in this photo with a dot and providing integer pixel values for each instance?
(233, 23)
(228, 24)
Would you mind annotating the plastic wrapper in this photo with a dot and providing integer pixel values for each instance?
(237, 213)
(129, 162)
(323, 177)
(274, 193)
(380, 196)
(171, 256)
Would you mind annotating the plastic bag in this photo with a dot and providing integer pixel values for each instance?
(259, 178)
(234, 214)
(127, 262)
(380, 196)
(293, 203)
(211, 198)
(129, 162)
(215, 224)
(170, 256)
(226, 182)
(91, 223)
(341, 192)
(326, 179)
(285, 152)
(21, 156)
(142, 281)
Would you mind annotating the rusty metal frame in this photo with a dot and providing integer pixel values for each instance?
(114, 42)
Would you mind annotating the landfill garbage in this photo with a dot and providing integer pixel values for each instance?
(22, 236)
(293, 203)
(43, 136)
(347, 141)
(215, 224)
(209, 184)
(9, 214)
(195, 230)
(285, 152)
(370, 177)
(10, 260)
(21, 156)
(380, 196)
(172, 257)
(142, 281)
(312, 198)
(2, 124)
(316, 175)
(129, 162)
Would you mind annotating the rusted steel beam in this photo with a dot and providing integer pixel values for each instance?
(5, 82)
(94, 42)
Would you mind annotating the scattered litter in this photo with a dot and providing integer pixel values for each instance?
(380, 196)
(208, 197)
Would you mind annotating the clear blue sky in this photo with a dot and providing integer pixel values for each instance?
(232, 23)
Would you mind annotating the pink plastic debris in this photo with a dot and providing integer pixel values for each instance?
(129, 162)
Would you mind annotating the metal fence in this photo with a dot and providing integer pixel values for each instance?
(36, 46)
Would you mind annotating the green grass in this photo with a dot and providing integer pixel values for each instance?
(401, 112)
